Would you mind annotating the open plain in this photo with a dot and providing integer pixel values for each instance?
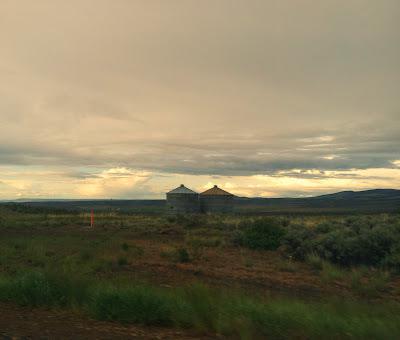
(200, 276)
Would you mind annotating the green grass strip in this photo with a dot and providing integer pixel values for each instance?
(205, 309)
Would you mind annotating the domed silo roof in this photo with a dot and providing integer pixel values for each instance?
(182, 200)
(216, 200)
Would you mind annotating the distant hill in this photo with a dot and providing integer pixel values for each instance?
(377, 200)
(363, 195)
(368, 201)
(133, 206)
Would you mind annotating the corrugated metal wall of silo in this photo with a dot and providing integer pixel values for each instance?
(183, 203)
(216, 204)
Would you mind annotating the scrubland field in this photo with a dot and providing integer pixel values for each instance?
(157, 276)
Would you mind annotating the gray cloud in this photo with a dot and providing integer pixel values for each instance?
(216, 88)
(341, 150)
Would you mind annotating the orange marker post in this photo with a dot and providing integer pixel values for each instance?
(92, 218)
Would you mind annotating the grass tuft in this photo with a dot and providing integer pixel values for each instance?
(205, 309)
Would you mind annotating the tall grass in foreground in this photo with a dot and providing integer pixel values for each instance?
(205, 309)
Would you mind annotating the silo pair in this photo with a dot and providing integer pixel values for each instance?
(214, 200)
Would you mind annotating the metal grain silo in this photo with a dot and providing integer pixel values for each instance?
(183, 200)
(216, 200)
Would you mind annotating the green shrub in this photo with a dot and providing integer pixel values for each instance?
(331, 272)
(188, 221)
(199, 307)
(122, 261)
(371, 241)
(180, 255)
(45, 289)
(136, 250)
(204, 241)
(298, 241)
(263, 233)
(33, 289)
(183, 255)
(328, 271)
(144, 305)
(85, 255)
(369, 285)
(392, 259)
(315, 261)
(125, 246)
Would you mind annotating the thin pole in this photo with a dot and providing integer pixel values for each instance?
(92, 218)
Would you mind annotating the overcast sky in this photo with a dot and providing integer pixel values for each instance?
(128, 99)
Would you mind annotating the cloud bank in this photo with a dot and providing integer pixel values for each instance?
(128, 98)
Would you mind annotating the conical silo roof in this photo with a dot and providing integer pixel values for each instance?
(215, 191)
(182, 190)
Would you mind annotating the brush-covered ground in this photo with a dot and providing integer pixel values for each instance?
(154, 276)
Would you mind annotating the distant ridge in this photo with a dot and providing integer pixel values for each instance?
(366, 201)
(348, 194)
(370, 194)
(343, 202)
